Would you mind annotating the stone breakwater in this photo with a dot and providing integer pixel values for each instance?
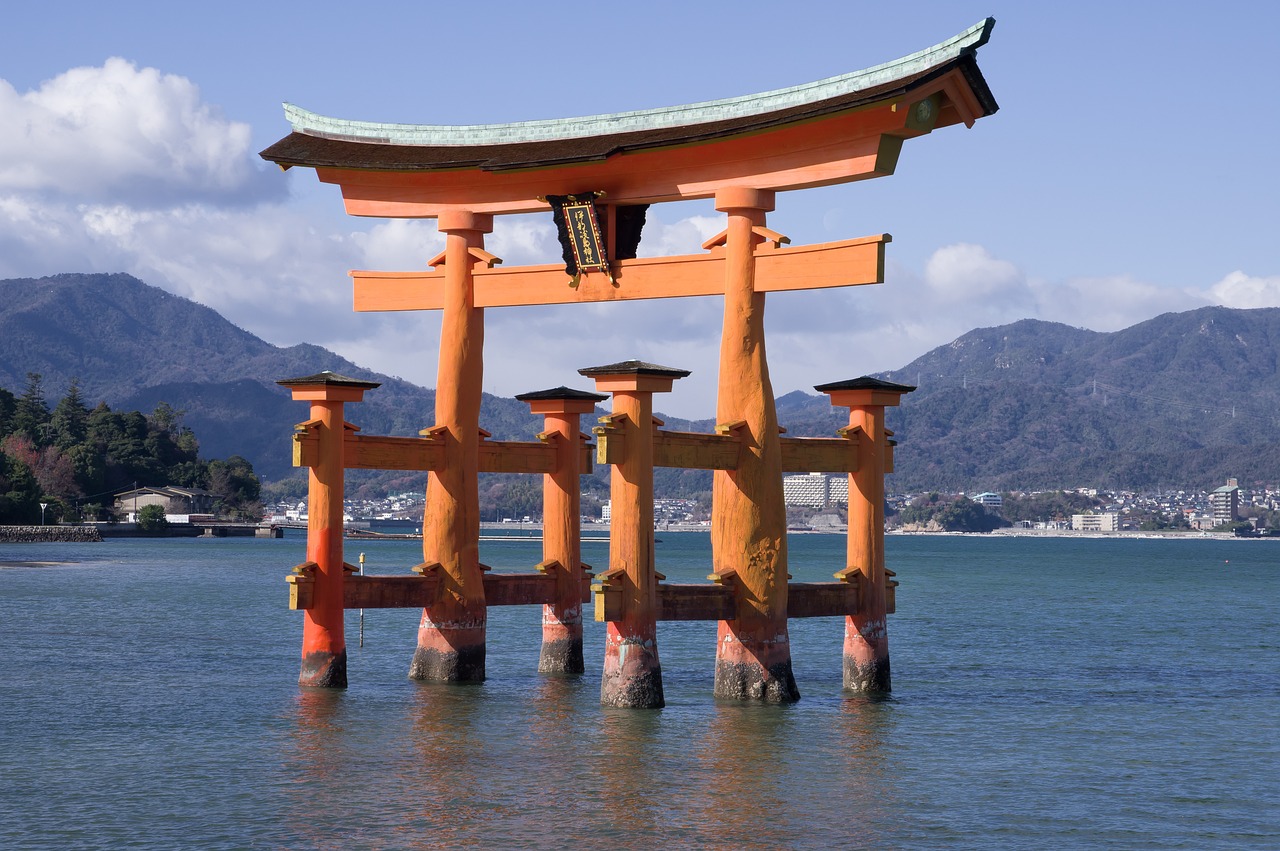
(49, 535)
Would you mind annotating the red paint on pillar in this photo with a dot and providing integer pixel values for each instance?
(866, 636)
(632, 674)
(562, 525)
(748, 515)
(451, 634)
(324, 649)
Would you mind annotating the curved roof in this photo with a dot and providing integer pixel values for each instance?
(319, 142)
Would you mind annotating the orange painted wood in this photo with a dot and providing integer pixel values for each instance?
(692, 451)
(390, 592)
(822, 599)
(509, 456)
(375, 452)
(819, 454)
(833, 149)
(748, 514)
(451, 634)
(851, 262)
(681, 602)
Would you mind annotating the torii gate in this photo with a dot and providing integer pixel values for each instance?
(740, 152)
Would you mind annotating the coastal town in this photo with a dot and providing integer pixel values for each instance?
(818, 503)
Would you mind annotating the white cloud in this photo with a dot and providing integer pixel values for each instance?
(1245, 291)
(121, 134)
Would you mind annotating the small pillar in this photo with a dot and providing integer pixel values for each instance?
(561, 409)
(324, 647)
(632, 675)
(749, 513)
(451, 634)
(866, 635)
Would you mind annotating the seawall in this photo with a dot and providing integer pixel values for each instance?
(49, 535)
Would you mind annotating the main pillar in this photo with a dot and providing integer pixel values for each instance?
(748, 514)
(324, 646)
(451, 635)
(866, 634)
(632, 675)
(562, 524)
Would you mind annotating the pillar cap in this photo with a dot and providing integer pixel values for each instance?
(328, 386)
(561, 394)
(860, 392)
(866, 382)
(633, 367)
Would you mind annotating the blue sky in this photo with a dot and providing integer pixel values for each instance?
(1131, 170)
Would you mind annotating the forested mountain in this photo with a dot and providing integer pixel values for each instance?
(133, 346)
(1185, 399)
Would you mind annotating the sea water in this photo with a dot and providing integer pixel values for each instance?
(1046, 693)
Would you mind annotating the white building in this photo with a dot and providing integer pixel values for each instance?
(816, 490)
(1109, 522)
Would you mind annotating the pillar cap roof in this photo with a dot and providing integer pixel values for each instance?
(561, 392)
(328, 379)
(866, 382)
(633, 367)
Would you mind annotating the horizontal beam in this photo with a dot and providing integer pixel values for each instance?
(693, 451)
(415, 592)
(821, 599)
(377, 452)
(851, 262)
(695, 603)
(820, 454)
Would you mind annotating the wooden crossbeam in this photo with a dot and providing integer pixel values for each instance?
(820, 454)
(379, 452)
(713, 602)
(846, 263)
(418, 591)
(693, 451)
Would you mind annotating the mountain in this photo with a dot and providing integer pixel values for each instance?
(1185, 399)
(132, 345)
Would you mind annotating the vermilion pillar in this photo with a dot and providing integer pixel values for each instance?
(451, 635)
(632, 675)
(866, 635)
(562, 524)
(749, 515)
(324, 647)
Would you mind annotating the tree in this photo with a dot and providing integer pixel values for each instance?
(31, 414)
(151, 518)
(69, 422)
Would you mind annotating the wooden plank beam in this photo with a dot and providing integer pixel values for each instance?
(376, 452)
(519, 589)
(851, 262)
(820, 454)
(821, 599)
(693, 451)
(695, 602)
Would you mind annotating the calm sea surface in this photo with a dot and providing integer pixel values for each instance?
(1047, 693)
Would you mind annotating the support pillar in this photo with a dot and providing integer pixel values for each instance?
(748, 515)
(866, 634)
(561, 409)
(632, 675)
(324, 647)
(451, 635)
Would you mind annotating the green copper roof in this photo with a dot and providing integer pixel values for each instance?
(964, 43)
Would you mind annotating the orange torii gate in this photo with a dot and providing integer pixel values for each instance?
(599, 174)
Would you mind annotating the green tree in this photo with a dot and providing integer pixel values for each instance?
(31, 414)
(236, 487)
(151, 518)
(69, 422)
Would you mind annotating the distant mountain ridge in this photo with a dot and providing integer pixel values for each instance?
(133, 345)
(1185, 399)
